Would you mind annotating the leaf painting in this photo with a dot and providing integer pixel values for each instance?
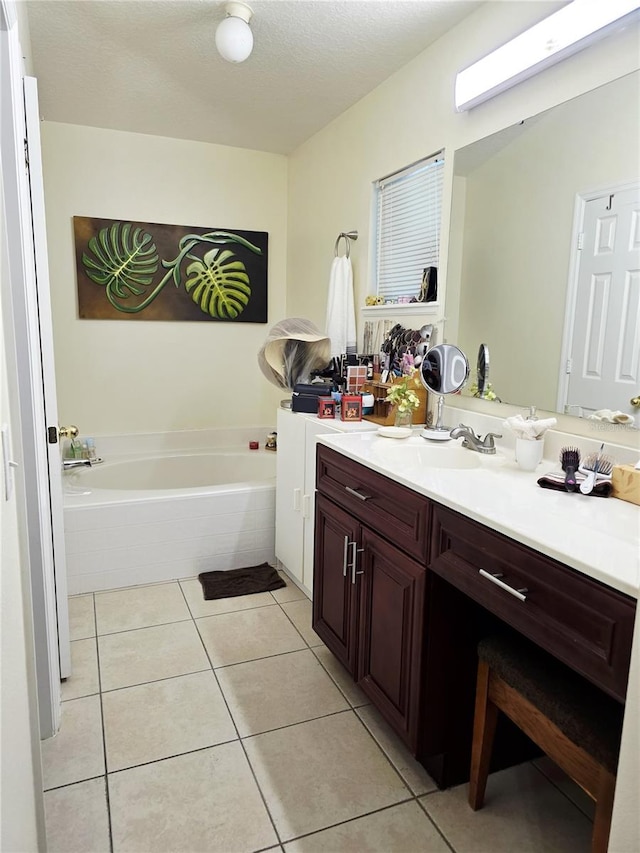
(222, 274)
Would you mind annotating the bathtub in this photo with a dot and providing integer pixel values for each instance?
(161, 507)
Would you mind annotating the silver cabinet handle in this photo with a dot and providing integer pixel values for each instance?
(357, 494)
(518, 593)
(354, 556)
(344, 557)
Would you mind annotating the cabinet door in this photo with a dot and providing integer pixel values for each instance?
(335, 609)
(392, 596)
(290, 491)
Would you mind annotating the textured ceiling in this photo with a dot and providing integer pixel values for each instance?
(150, 66)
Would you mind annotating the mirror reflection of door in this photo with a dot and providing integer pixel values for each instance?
(603, 367)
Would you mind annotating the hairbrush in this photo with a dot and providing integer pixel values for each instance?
(570, 460)
(596, 466)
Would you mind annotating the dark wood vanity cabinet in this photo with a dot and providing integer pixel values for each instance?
(369, 593)
(402, 597)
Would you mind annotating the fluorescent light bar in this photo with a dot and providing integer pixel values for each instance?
(571, 29)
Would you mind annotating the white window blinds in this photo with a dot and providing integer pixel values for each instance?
(408, 227)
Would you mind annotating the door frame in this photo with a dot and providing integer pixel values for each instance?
(34, 507)
(579, 208)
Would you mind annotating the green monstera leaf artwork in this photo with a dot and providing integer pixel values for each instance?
(219, 284)
(123, 258)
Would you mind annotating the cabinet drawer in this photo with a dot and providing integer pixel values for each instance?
(582, 622)
(395, 512)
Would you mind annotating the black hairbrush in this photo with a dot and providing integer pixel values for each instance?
(570, 459)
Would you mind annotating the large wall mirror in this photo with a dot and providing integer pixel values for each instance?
(512, 249)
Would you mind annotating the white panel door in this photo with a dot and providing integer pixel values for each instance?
(605, 351)
(29, 341)
(45, 325)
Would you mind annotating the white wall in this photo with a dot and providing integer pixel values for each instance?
(121, 376)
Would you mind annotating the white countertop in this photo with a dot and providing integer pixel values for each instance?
(597, 536)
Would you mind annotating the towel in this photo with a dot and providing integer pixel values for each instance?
(236, 582)
(341, 315)
(528, 428)
(554, 480)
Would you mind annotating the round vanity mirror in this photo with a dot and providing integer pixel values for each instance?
(483, 369)
(444, 370)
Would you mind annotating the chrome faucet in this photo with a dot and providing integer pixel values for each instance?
(473, 441)
(68, 464)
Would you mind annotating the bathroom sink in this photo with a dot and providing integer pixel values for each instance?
(412, 455)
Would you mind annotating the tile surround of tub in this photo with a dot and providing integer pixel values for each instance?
(340, 780)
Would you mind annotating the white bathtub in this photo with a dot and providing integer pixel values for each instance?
(170, 506)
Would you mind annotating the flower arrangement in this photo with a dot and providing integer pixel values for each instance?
(489, 393)
(402, 396)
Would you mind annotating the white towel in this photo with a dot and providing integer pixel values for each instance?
(527, 428)
(341, 315)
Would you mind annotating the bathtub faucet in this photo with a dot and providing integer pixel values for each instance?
(68, 464)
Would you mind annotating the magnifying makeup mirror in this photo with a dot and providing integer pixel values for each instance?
(444, 370)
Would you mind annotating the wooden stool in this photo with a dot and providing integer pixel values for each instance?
(574, 723)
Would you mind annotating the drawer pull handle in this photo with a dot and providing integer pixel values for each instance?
(354, 557)
(357, 494)
(344, 558)
(518, 593)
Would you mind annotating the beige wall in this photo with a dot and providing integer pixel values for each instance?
(408, 117)
(118, 376)
(518, 227)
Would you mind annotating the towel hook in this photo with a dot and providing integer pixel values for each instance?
(347, 236)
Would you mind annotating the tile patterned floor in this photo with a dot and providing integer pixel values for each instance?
(228, 726)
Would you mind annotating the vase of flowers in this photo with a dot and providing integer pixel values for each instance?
(404, 398)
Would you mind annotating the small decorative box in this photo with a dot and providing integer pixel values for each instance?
(326, 407)
(351, 408)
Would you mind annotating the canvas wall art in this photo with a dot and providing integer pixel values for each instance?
(146, 271)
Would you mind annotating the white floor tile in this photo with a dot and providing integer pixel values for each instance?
(83, 680)
(398, 754)
(522, 812)
(150, 654)
(202, 801)
(400, 829)
(322, 772)
(300, 614)
(250, 634)
(76, 752)
(278, 691)
(77, 820)
(82, 621)
(140, 607)
(164, 718)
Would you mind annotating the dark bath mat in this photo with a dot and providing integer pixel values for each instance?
(239, 582)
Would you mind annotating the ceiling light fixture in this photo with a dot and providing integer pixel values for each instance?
(566, 32)
(234, 38)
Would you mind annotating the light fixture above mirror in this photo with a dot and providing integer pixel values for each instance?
(562, 34)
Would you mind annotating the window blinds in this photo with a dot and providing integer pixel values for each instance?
(408, 227)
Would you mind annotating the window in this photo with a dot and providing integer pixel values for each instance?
(408, 210)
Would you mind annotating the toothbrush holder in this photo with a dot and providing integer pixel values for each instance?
(529, 453)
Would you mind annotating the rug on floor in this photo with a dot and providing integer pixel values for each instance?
(236, 582)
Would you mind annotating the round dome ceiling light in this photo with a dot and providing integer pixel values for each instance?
(234, 38)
